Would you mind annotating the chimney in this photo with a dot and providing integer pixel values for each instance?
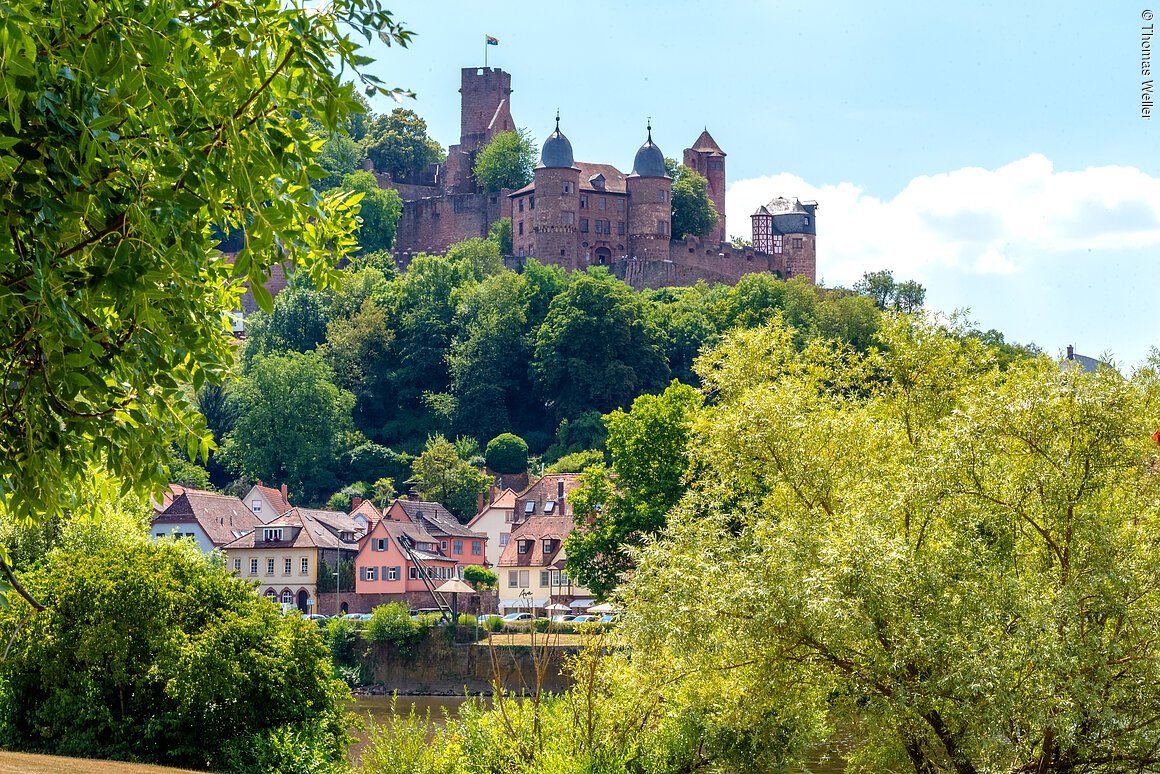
(286, 494)
(479, 502)
(492, 491)
(355, 502)
(1070, 352)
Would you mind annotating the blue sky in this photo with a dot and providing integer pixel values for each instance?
(993, 152)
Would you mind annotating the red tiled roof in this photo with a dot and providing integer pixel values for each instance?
(706, 143)
(437, 519)
(300, 530)
(536, 529)
(275, 498)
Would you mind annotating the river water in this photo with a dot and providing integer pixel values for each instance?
(823, 761)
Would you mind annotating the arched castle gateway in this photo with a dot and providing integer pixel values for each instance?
(577, 214)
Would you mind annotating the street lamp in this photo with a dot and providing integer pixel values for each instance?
(337, 589)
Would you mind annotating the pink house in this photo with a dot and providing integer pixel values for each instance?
(451, 539)
(394, 557)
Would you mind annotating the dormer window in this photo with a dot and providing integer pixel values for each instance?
(549, 546)
(272, 534)
(346, 537)
(523, 546)
(530, 507)
(256, 506)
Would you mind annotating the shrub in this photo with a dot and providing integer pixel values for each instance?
(143, 642)
(507, 454)
(392, 623)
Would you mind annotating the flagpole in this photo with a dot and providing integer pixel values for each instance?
(485, 45)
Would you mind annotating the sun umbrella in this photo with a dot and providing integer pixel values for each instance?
(455, 587)
(603, 607)
(557, 607)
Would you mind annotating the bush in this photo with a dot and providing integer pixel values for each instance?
(392, 623)
(341, 634)
(145, 641)
(495, 623)
(507, 454)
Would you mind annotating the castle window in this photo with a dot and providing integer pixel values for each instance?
(583, 202)
(521, 205)
(620, 228)
(805, 221)
(568, 218)
(620, 205)
(777, 244)
(562, 253)
(532, 202)
(599, 227)
(521, 228)
(662, 227)
(584, 225)
(603, 203)
(567, 188)
(797, 244)
(662, 196)
(715, 164)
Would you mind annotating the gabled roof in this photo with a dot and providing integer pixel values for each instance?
(546, 491)
(505, 502)
(706, 144)
(536, 529)
(301, 530)
(222, 518)
(782, 205)
(613, 178)
(437, 519)
(368, 509)
(335, 521)
(418, 535)
(274, 497)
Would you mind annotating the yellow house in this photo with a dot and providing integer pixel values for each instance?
(283, 556)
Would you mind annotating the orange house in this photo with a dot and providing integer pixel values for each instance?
(384, 566)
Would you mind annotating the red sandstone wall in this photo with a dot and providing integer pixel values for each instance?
(433, 224)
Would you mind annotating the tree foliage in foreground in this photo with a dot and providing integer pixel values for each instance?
(128, 134)
(148, 652)
(953, 561)
(506, 162)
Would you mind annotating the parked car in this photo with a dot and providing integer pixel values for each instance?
(316, 617)
(358, 616)
(562, 618)
(584, 619)
(608, 617)
(518, 617)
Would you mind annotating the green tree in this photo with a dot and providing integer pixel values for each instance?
(507, 453)
(144, 641)
(128, 134)
(693, 210)
(398, 144)
(297, 323)
(501, 233)
(879, 285)
(292, 424)
(617, 510)
(954, 558)
(479, 577)
(340, 156)
(506, 162)
(442, 476)
(379, 210)
(597, 348)
(359, 351)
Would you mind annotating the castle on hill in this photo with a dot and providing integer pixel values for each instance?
(577, 214)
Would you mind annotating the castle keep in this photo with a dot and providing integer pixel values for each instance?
(577, 214)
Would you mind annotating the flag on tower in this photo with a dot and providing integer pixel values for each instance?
(492, 41)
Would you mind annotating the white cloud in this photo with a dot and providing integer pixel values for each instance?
(970, 220)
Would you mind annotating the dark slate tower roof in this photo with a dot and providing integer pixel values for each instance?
(557, 150)
(649, 161)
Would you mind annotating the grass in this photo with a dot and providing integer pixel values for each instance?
(525, 639)
(24, 763)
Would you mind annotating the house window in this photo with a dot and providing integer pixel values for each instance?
(457, 547)
(380, 544)
(549, 506)
(545, 579)
(305, 566)
(269, 566)
(620, 227)
(412, 573)
(583, 202)
(270, 595)
(530, 507)
(476, 548)
(583, 225)
(287, 564)
(443, 545)
(797, 244)
(549, 546)
(253, 567)
(256, 506)
(237, 565)
(503, 538)
(513, 579)
(525, 577)
(287, 597)
(272, 534)
(370, 573)
(393, 573)
(559, 578)
(522, 546)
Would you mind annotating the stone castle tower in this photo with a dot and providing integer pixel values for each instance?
(650, 208)
(707, 159)
(555, 201)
